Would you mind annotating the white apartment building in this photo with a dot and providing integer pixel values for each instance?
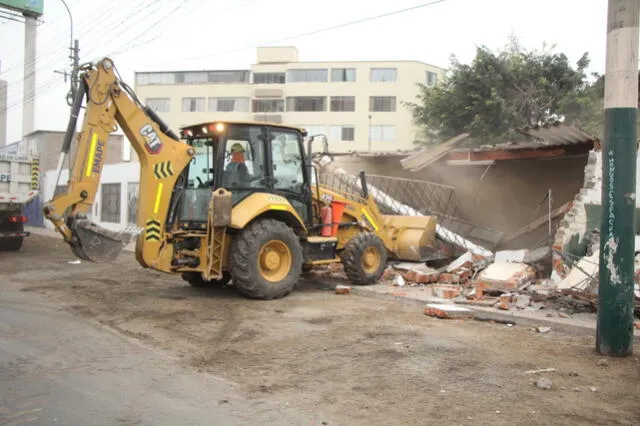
(357, 105)
(353, 103)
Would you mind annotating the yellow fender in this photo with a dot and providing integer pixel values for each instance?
(260, 203)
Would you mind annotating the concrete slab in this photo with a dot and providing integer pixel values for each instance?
(447, 311)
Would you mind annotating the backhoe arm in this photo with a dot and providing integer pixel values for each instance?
(110, 102)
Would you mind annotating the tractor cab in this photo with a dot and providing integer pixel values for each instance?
(244, 158)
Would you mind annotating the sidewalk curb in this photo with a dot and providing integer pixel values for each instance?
(486, 315)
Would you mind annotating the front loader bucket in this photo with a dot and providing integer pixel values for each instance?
(413, 238)
(96, 244)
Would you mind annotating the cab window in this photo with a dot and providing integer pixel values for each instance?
(287, 161)
(244, 165)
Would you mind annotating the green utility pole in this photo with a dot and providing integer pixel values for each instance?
(614, 334)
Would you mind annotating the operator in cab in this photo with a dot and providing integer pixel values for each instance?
(236, 172)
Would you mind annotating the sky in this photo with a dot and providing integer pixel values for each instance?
(154, 35)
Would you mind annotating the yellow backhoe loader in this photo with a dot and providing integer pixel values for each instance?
(223, 200)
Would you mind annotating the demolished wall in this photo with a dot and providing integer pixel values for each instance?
(505, 197)
(573, 235)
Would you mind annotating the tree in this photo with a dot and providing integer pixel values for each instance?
(499, 92)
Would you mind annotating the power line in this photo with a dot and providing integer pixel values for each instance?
(321, 30)
(51, 58)
(139, 10)
(54, 18)
(129, 45)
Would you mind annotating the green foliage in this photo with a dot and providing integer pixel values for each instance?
(499, 92)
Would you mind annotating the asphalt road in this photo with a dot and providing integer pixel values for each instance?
(56, 369)
(114, 344)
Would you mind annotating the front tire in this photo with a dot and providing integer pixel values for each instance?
(364, 258)
(266, 260)
(11, 244)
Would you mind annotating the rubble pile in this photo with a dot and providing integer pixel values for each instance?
(510, 280)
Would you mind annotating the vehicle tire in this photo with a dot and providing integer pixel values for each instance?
(195, 280)
(266, 260)
(364, 258)
(11, 244)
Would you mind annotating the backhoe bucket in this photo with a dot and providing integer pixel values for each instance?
(96, 244)
(413, 238)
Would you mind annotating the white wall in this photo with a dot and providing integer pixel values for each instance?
(123, 173)
(593, 177)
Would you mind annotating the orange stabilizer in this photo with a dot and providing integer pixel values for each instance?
(326, 221)
(337, 208)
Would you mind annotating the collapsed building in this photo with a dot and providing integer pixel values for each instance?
(518, 218)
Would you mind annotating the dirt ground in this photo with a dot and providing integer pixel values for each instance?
(348, 359)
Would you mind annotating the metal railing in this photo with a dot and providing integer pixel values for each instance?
(400, 196)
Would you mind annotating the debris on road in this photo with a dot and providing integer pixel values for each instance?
(603, 362)
(544, 383)
(543, 330)
(399, 281)
(544, 370)
(343, 289)
(447, 311)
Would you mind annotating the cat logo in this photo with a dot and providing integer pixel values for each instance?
(153, 144)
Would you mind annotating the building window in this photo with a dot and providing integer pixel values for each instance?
(306, 103)
(382, 133)
(315, 129)
(194, 77)
(343, 103)
(432, 78)
(192, 104)
(342, 133)
(110, 211)
(383, 74)
(343, 74)
(307, 75)
(267, 105)
(132, 202)
(382, 103)
(269, 78)
(229, 104)
(228, 77)
(158, 104)
(148, 78)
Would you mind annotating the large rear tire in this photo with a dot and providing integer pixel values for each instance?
(364, 258)
(266, 260)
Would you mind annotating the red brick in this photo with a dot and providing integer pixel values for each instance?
(343, 289)
(504, 302)
(426, 277)
(445, 291)
(410, 276)
(637, 324)
(449, 278)
(464, 273)
(480, 286)
(389, 274)
(503, 305)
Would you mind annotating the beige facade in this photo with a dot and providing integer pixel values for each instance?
(357, 105)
